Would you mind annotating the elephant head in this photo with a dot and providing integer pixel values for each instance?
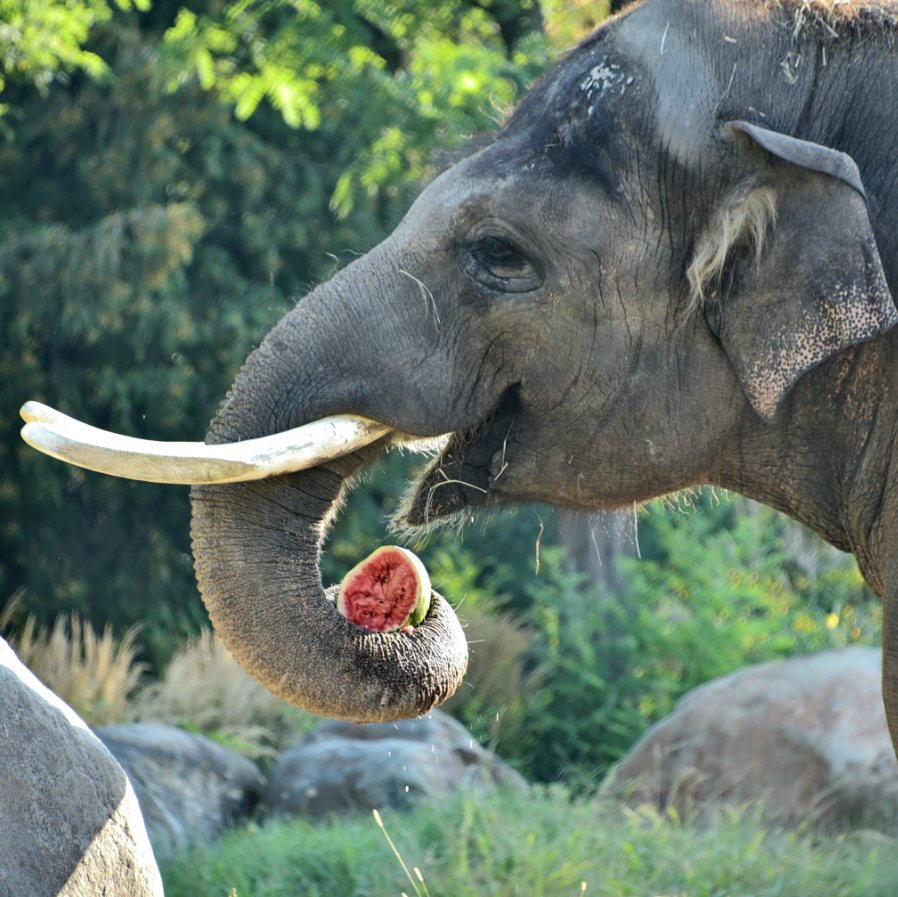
(622, 295)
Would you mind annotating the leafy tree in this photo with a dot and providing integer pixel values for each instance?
(412, 76)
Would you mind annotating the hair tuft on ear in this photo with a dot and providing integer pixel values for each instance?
(745, 217)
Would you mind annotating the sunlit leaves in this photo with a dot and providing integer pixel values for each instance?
(406, 77)
(569, 21)
(41, 40)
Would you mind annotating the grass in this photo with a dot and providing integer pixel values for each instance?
(537, 845)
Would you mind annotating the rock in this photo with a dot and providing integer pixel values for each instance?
(189, 787)
(69, 821)
(343, 766)
(807, 736)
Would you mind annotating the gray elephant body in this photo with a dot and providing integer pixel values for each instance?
(673, 266)
(70, 824)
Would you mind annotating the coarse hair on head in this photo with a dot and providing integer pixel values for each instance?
(832, 18)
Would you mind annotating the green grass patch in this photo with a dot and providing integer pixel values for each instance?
(537, 845)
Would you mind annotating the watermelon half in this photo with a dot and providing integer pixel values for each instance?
(389, 590)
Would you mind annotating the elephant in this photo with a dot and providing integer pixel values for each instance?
(673, 265)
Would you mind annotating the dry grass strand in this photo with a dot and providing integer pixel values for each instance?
(832, 18)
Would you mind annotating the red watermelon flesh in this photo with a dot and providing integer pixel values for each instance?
(389, 590)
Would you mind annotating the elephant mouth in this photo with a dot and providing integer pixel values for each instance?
(465, 473)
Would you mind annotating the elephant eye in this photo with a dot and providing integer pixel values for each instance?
(500, 265)
(500, 257)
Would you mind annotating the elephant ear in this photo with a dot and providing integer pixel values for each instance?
(815, 283)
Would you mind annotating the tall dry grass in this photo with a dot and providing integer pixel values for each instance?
(94, 674)
(204, 689)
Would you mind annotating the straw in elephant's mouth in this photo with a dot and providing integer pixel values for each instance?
(460, 478)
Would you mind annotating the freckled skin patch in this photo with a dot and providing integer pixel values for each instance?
(849, 319)
(599, 77)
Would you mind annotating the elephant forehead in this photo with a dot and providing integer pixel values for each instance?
(593, 83)
(587, 84)
(682, 76)
(506, 180)
(456, 195)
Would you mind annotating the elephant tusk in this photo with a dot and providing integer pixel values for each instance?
(189, 463)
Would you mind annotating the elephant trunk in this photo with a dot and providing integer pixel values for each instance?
(257, 544)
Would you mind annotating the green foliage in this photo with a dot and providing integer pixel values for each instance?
(569, 21)
(44, 41)
(720, 592)
(410, 76)
(541, 844)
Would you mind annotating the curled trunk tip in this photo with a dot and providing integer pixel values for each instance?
(256, 547)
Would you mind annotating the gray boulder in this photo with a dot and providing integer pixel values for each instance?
(807, 736)
(189, 787)
(342, 766)
(70, 825)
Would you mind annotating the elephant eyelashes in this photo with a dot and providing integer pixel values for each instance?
(500, 256)
(499, 265)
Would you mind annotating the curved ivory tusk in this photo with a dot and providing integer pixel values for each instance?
(67, 439)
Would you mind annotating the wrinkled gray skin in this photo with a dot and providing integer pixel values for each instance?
(558, 342)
